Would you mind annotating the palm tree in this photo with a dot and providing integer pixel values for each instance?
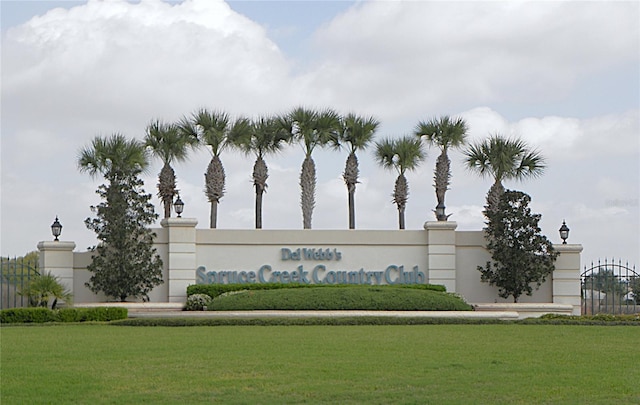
(114, 157)
(310, 128)
(169, 143)
(503, 159)
(401, 154)
(260, 137)
(211, 128)
(444, 133)
(358, 132)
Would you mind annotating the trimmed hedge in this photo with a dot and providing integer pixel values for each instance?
(214, 290)
(379, 298)
(42, 315)
(364, 320)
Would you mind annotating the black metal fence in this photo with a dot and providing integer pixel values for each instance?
(610, 287)
(15, 276)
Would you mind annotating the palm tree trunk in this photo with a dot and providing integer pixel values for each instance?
(167, 188)
(260, 175)
(214, 181)
(352, 209)
(441, 180)
(493, 197)
(350, 177)
(308, 190)
(259, 208)
(400, 197)
(213, 220)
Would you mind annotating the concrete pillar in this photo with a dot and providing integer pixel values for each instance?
(182, 256)
(441, 253)
(566, 277)
(56, 257)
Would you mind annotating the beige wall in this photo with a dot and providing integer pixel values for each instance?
(445, 256)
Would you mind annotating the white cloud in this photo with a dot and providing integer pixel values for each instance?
(112, 66)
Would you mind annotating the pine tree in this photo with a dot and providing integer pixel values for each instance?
(521, 255)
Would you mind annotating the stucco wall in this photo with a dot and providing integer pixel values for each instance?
(437, 255)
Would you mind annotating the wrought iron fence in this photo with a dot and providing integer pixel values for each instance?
(610, 287)
(15, 276)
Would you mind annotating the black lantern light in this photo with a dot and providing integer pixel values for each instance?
(56, 229)
(178, 205)
(564, 233)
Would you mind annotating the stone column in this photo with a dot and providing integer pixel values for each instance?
(182, 256)
(566, 277)
(441, 252)
(56, 257)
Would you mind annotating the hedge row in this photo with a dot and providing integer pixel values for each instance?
(377, 298)
(364, 320)
(41, 315)
(214, 290)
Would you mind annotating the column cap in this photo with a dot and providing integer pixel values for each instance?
(56, 245)
(179, 222)
(568, 248)
(440, 225)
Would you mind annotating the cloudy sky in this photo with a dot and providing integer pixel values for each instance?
(564, 76)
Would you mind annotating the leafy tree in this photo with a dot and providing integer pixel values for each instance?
(45, 290)
(607, 281)
(520, 254)
(125, 263)
(312, 129)
(444, 133)
(358, 133)
(503, 159)
(260, 137)
(401, 154)
(169, 143)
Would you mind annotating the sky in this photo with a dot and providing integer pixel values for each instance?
(562, 76)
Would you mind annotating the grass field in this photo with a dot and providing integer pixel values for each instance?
(439, 364)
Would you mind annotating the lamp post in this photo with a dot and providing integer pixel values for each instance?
(564, 233)
(56, 229)
(178, 205)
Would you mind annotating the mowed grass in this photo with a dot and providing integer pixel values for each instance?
(438, 364)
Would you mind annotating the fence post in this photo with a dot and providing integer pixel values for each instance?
(56, 257)
(181, 264)
(566, 277)
(441, 251)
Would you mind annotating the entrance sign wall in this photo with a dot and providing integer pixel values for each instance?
(437, 255)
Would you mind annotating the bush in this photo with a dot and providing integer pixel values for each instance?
(214, 290)
(41, 315)
(197, 302)
(379, 298)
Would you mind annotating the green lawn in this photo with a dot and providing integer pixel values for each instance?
(439, 364)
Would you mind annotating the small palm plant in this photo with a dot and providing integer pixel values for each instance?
(358, 133)
(169, 143)
(503, 159)
(444, 133)
(45, 290)
(400, 154)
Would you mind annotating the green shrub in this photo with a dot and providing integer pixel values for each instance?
(41, 315)
(214, 290)
(197, 302)
(379, 298)
(26, 315)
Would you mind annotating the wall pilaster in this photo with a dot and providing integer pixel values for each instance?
(182, 256)
(566, 277)
(441, 253)
(56, 258)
